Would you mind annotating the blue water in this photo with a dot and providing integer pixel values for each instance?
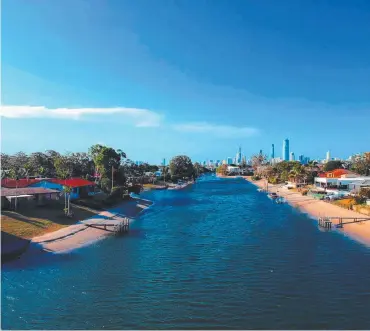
(217, 255)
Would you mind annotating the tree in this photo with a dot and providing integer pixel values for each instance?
(181, 166)
(258, 160)
(298, 173)
(5, 161)
(38, 163)
(63, 167)
(361, 165)
(222, 169)
(332, 165)
(105, 158)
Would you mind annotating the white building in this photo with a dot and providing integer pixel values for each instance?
(348, 182)
(276, 160)
(233, 170)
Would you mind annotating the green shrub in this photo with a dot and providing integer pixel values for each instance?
(256, 177)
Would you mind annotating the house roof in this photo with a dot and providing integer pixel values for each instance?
(23, 182)
(72, 182)
(11, 192)
(335, 173)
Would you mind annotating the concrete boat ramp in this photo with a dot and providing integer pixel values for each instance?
(90, 230)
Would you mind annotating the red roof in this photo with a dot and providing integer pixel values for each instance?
(337, 173)
(72, 182)
(23, 182)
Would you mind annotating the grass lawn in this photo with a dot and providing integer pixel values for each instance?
(32, 221)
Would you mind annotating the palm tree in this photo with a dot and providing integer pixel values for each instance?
(67, 192)
(298, 173)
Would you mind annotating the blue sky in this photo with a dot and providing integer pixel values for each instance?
(196, 77)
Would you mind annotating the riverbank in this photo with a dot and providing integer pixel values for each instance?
(317, 208)
(79, 235)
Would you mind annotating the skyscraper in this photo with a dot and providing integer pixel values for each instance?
(285, 150)
(229, 160)
(272, 151)
(292, 157)
(327, 156)
(238, 158)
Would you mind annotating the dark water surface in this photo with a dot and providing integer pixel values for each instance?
(218, 255)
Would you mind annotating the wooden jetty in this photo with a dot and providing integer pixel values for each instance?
(326, 222)
(116, 226)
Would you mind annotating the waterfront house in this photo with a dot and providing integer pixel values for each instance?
(22, 182)
(341, 179)
(232, 170)
(80, 187)
(26, 196)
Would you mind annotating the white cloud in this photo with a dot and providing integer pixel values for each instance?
(224, 131)
(136, 116)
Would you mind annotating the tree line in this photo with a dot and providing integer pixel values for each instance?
(102, 164)
(295, 171)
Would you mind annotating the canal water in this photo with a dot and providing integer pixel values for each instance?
(217, 255)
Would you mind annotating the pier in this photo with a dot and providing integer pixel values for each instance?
(116, 226)
(326, 222)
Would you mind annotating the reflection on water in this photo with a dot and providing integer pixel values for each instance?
(218, 255)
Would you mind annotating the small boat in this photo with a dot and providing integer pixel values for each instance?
(273, 195)
(280, 200)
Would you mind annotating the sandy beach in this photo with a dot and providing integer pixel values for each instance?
(318, 208)
(79, 235)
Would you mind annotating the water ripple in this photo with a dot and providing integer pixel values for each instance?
(218, 255)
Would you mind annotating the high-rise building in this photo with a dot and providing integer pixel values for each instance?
(238, 158)
(229, 160)
(272, 151)
(164, 162)
(327, 156)
(292, 157)
(285, 150)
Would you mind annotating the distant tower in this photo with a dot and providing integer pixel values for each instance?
(285, 150)
(272, 151)
(327, 156)
(164, 162)
(292, 157)
(238, 158)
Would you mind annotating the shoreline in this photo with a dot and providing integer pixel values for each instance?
(316, 208)
(79, 235)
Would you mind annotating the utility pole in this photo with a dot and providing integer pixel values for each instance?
(112, 178)
(16, 193)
